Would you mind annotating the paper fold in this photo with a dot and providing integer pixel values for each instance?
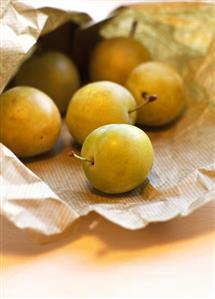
(28, 202)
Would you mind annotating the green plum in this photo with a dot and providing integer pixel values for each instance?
(98, 104)
(116, 158)
(53, 73)
(113, 59)
(163, 82)
(30, 121)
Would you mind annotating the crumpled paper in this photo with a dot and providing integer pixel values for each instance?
(45, 195)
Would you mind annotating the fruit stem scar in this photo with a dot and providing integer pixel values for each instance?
(73, 154)
(147, 99)
(133, 28)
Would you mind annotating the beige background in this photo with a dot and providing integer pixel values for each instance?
(164, 260)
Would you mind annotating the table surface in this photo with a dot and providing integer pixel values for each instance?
(99, 259)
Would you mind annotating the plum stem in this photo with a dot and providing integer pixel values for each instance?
(147, 99)
(133, 28)
(73, 154)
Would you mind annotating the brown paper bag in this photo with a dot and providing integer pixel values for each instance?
(46, 194)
